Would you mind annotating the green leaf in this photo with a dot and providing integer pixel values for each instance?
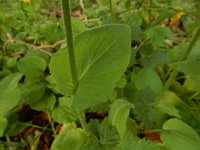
(122, 82)
(14, 127)
(32, 92)
(70, 137)
(143, 105)
(158, 34)
(91, 144)
(104, 58)
(195, 50)
(192, 83)
(102, 54)
(167, 103)
(163, 15)
(148, 78)
(130, 142)
(78, 26)
(3, 125)
(32, 66)
(62, 112)
(1, 146)
(136, 19)
(158, 57)
(137, 34)
(176, 52)
(62, 76)
(147, 145)
(46, 103)
(177, 135)
(94, 126)
(108, 135)
(118, 115)
(9, 92)
(189, 66)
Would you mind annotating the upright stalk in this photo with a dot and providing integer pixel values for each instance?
(112, 12)
(185, 56)
(70, 42)
(72, 62)
(192, 43)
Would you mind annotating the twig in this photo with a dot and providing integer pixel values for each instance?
(39, 48)
(33, 46)
(52, 46)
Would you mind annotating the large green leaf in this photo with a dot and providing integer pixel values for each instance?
(177, 135)
(9, 92)
(118, 115)
(102, 55)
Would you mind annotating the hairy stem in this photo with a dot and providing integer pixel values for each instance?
(72, 62)
(70, 42)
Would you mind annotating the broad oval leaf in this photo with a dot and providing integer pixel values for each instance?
(9, 92)
(102, 55)
(177, 135)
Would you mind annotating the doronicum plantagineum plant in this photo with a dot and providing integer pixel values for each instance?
(86, 71)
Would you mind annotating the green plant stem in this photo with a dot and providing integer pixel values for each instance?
(8, 139)
(81, 116)
(52, 125)
(82, 4)
(170, 80)
(191, 45)
(70, 42)
(112, 12)
(72, 62)
(185, 56)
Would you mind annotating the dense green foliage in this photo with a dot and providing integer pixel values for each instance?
(138, 78)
